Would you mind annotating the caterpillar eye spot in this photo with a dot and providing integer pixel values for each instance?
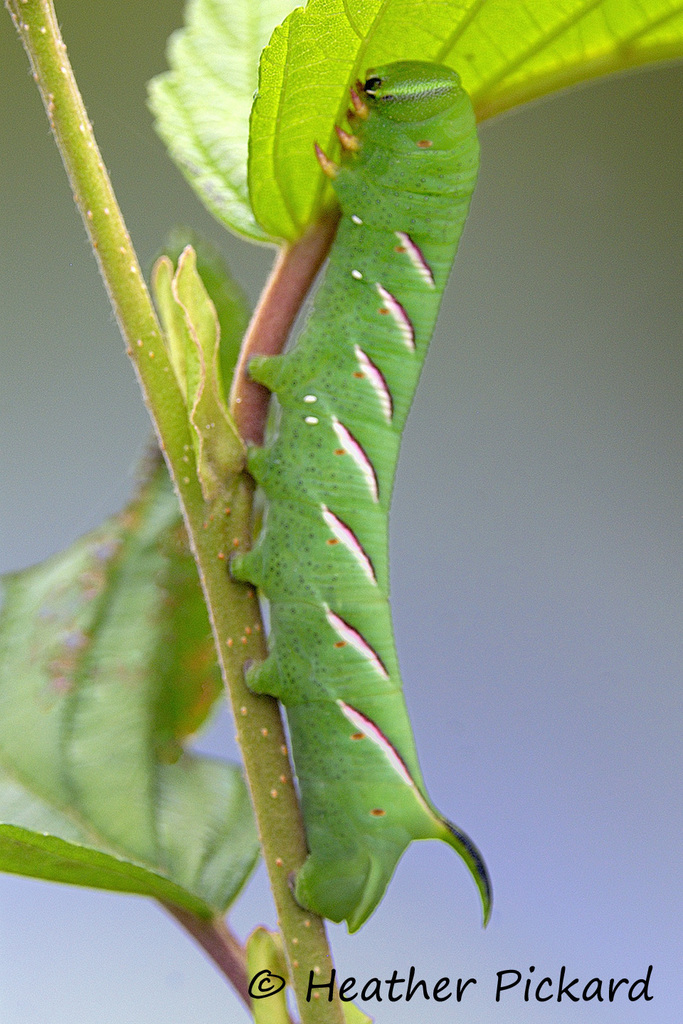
(371, 85)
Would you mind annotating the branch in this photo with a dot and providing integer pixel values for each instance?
(293, 274)
(220, 945)
(215, 529)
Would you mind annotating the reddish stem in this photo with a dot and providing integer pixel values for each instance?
(220, 944)
(293, 274)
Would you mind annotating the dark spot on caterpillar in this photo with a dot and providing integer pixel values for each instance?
(358, 374)
(384, 311)
(399, 248)
(425, 143)
(340, 643)
(371, 85)
(332, 540)
(357, 735)
(378, 813)
(340, 451)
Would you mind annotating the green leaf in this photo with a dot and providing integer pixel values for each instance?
(506, 51)
(202, 104)
(267, 970)
(354, 1015)
(228, 298)
(106, 667)
(192, 331)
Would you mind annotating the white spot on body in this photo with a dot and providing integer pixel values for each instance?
(357, 275)
(400, 316)
(312, 420)
(416, 258)
(350, 636)
(349, 443)
(365, 725)
(356, 219)
(374, 375)
(310, 398)
(348, 538)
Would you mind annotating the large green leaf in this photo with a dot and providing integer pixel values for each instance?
(506, 51)
(202, 104)
(106, 667)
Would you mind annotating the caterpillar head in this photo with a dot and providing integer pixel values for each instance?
(412, 90)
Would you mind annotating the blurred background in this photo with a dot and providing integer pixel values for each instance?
(537, 562)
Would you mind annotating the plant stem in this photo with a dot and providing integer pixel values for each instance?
(214, 530)
(293, 274)
(220, 944)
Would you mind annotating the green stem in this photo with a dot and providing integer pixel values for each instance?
(214, 531)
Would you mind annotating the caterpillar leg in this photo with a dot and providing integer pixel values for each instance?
(245, 567)
(345, 889)
(266, 370)
(350, 886)
(263, 677)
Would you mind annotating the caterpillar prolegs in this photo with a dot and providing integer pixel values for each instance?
(404, 186)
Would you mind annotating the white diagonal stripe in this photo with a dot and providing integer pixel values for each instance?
(400, 316)
(351, 446)
(365, 725)
(351, 636)
(416, 258)
(377, 380)
(348, 538)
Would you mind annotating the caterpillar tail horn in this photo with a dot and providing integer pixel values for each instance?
(349, 885)
(464, 846)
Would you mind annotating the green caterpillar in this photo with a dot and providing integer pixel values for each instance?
(344, 390)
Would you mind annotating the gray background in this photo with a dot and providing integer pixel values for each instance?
(535, 543)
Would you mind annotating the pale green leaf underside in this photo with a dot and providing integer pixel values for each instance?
(228, 298)
(265, 953)
(192, 330)
(106, 665)
(202, 104)
(506, 51)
